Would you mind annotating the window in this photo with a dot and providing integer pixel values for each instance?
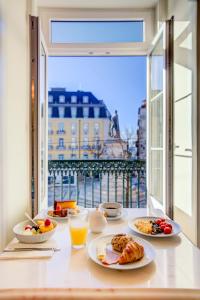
(85, 141)
(85, 128)
(61, 128)
(61, 142)
(97, 31)
(50, 131)
(49, 156)
(73, 144)
(62, 99)
(85, 99)
(49, 112)
(85, 155)
(85, 112)
(50, 98)
(61, 156)
(73, 129)
(50, 146)
(61, 112)
(96, 129)
(73, 112)
(96, 112)
(73, 156)
(73, 99)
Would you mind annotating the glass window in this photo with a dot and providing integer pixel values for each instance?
(50, 98)
(61, 156)
(85, 128)
(97, 31)
(85, 155)
(96, 128)
(73, 129)
(96, 112)
(73, 112)
(61, 112)
(50, 112)
(49, 156)
(61, 126)
(62, 99)
(85, 99)
(85, 141)
(85, 112)
(73, 99)
(61, 142)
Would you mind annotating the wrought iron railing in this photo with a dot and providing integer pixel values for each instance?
(91, 182)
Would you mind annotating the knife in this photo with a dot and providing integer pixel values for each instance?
(31, 249)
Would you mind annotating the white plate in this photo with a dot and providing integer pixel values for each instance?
(149, 253)
(82, 211)
(120, 216)
(176, 228)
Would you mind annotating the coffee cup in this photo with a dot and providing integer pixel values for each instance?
(112, 209)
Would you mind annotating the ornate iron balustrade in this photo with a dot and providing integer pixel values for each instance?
(94, 181)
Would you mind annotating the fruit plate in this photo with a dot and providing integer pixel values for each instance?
(57, 218)
(149, 253)
(176, 228)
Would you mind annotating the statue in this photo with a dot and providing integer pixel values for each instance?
(114, 126)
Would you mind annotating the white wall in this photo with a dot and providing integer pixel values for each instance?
(15, 196)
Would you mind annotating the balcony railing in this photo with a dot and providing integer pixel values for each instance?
(91, 182)
(60, 147)
(61, 131)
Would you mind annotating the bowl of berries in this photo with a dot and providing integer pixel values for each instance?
(29, 233)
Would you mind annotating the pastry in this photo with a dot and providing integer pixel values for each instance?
(119, 241)
(131, 253)
(65, 204)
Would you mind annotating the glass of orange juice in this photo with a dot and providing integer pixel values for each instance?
(78, 227)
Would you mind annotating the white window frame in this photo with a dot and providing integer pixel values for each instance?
(61, 99)
(105, 49)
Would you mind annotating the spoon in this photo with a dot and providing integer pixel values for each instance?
(30, 219)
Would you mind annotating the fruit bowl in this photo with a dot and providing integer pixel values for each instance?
(32, 239)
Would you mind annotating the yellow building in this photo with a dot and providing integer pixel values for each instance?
(79, 125)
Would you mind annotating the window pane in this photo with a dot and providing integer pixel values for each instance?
(96, 31)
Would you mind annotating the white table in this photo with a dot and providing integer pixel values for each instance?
(177, 265)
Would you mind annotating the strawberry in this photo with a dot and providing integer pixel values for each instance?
(47, 222)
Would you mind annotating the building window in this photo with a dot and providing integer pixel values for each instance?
(96, 112)
(96, 129)
(85, 112)
(73, 144)
(49, 112)
(50, 98)
(61, 142)
(61, 128)
(73, 112)
(49, 156)
(61, 112)
(85, 155)
(50, 131)
(85, 141)
(85, 128)
(61, 156)
(73, 156)
(61, 99)
(85, 99)
(73, 99)
(50, 146)
(73, 129)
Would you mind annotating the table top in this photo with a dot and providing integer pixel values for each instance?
(176, 265)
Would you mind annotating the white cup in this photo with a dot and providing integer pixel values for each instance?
(112, 209)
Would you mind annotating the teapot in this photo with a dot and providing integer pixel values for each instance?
(97, 221)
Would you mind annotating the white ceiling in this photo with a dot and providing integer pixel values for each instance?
(98, 3)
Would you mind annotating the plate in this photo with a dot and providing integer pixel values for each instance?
(176, 227)
(120, 216)
(149, 253)
(82, 211)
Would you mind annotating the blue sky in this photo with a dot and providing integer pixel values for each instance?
(119, 81)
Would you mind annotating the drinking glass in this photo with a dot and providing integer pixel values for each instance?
(78, 227)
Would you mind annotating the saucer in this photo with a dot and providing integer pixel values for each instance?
(123, 214)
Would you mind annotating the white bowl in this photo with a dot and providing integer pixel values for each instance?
(32, 239)
(112, 209)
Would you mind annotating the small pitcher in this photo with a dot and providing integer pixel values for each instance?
(97, 221)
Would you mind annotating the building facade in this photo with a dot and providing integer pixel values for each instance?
(78, 126)
(141, 131)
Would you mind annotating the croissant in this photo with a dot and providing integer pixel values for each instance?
(132, 252)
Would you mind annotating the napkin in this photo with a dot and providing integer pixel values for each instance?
(15, 244)
(26, 254)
